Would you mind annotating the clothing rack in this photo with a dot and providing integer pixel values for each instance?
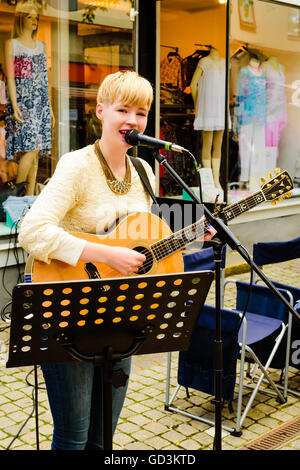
(242, 48)
(175, 49)
(208, 46)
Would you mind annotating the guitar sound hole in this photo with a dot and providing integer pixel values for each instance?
(147, 265)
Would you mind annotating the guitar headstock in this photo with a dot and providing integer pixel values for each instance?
(278, 187)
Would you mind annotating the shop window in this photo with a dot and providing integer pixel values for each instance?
(263, 94)
(52, 73)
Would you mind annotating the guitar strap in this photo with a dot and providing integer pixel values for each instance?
(144, 177)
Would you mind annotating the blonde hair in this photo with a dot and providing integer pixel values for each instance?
(128, 87)
(19, 23)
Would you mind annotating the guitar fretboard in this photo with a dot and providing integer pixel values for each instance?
(178, 240)
(238, 208)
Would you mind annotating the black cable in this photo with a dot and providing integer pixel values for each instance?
(3, 315)
(14, 239)
(198, 174)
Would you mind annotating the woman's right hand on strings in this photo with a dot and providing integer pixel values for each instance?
(122, 259)
(18, 114)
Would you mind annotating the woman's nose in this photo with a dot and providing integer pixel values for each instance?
(132, 119)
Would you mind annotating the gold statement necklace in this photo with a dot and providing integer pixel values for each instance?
(115, 185)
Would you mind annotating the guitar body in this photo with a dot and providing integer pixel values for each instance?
(136, 231)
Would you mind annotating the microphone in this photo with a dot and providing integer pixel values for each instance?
(134, 137)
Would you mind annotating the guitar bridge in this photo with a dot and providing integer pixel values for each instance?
(93, 273)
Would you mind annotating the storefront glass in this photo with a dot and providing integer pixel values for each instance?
(264, 92)
(263, 61)
(53, 55)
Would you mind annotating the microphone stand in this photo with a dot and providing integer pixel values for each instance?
(225, 236)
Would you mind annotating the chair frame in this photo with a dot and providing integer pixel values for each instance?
(284, 387)
(290, 320)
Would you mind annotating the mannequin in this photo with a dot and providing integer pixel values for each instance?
(28, 120)
(208, 92)
(276, 118)
(249, 125)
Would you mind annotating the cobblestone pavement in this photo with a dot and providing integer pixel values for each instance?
(144, 423)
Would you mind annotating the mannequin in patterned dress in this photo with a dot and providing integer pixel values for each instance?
(29, 114)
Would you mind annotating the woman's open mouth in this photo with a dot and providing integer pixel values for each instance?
(123, 133)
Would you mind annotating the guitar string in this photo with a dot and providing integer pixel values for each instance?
(161, 249)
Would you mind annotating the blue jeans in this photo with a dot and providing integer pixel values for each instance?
(75, 397)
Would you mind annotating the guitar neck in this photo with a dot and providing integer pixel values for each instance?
(238, 208)
(178, 240)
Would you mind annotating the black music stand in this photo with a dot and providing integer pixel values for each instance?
(104, 321)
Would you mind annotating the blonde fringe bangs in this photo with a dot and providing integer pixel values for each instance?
(127, 87)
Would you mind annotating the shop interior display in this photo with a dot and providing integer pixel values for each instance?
(193, 113)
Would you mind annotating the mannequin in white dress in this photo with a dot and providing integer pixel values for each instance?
(208, 92)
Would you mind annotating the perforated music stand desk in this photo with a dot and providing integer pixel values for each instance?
(104, 321)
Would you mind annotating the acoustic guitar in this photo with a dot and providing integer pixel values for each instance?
(147, 233)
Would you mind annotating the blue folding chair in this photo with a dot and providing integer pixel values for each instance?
(265, 253)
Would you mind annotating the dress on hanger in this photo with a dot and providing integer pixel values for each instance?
(170, 71)
(250, 119)
(31, 77)
(251, 98)
(210, 110)
(275, 104)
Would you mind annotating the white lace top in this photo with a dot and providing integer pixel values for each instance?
(77, 199)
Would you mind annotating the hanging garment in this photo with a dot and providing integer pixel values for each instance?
(189, 65)
(275, 104)
(251, 99)
(238, 60)
(210, 108)
(170, 71)
(31, 79)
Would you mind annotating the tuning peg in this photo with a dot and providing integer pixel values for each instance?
(288, 188)
(269, 185)
(281, 198)
(270, 175)
(274, 203)
(277, 170)
(283, 176)
(281, 191)
(288, 195)
(274, 196)
(263, 180)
